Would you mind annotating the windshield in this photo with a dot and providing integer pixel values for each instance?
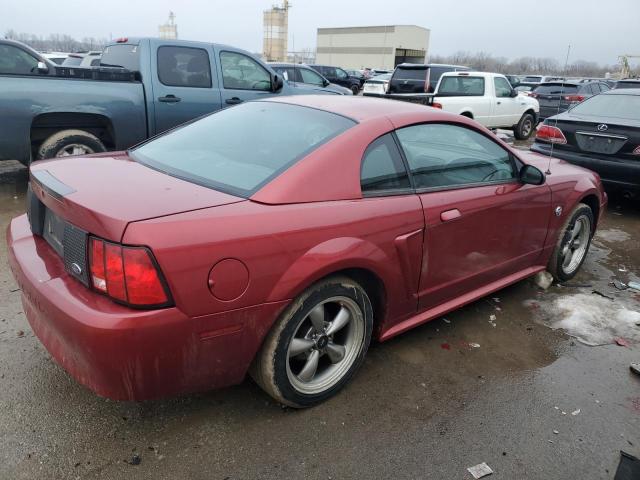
(240, 149)
(121, 55)
(616, 106)
(72, 61)
(532, 79)
(556, 89)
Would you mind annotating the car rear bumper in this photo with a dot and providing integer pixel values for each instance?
(615, 173)
(127, 354)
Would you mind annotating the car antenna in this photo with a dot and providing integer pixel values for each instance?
(564, 79)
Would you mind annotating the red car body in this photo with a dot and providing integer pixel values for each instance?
(233, 264)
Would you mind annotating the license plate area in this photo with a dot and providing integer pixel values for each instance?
(596, 143)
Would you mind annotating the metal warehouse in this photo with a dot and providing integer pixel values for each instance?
(381, 47)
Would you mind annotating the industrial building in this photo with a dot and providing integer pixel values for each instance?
(169, 30)
(276, 33)
(381, 47)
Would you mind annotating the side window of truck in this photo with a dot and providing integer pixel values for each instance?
(503, 87)
(184, 67)
(15, 61)
(241, 72)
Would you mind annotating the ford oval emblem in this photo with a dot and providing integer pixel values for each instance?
(76, 269)
(603, 127)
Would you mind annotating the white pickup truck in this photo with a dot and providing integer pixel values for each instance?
(489, 99)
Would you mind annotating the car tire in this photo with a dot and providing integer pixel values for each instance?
(329, 326)
(573, 244)
(355, 89)
(525, 127)
(70, 142)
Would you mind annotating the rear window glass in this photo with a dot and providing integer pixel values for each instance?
(240, 149)
(72, 61)
(121, 55)
(628, 84)
(615, 106)
(556, 89)
(532, 79)
(410, 74)
(461, 86)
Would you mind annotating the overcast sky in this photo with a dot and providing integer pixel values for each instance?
(597, 30)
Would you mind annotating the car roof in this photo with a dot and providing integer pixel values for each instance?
(419, 66)
(358, 108)
(622, 91)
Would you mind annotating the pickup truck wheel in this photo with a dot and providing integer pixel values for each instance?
(70, 142)
(525, 127)
(573, 244)
(355, 89)
(317, 344)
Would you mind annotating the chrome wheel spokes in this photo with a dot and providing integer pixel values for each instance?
(576, 246)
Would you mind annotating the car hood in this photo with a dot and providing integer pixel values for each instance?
(103, 193)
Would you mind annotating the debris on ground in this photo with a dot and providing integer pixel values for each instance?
(635, 368)
(628, 468)
(480, 470)
(135, 459)
(621, 342)
(603, 295)
(556, 432)
(575, 412)
(619, 285)
(445, 320)
(543, 279)
(634, 285)
(492, 320)
(20, 333)
(445, 346)
(474, 345)
(622, 269)
(576, 285)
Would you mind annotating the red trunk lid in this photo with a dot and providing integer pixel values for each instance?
(102, 193)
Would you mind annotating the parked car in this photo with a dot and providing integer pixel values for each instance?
(83, 59)
(537, 79)
(514, 80)
(338, 76)
(296, 73)
(376, 86)
(19, 59)
(113, 109)
(489, 99)
(419, 78)
(602, 134)
(628, 83)
(557, 97)
(55, 57)
(357, 74)
(283, 235)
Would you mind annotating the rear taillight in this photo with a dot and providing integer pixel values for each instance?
(574, 98)
(533, 94)
(436, 105)
(128, 275)
(636, 151)
(550, 134)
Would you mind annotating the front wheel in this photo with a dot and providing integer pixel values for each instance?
(70, 142)
(525, 127)
(355, 89)
(317, 344)
(573, 244)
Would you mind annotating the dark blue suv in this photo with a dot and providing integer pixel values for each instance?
(338, 76)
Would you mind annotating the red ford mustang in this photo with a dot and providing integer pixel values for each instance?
(278, 237)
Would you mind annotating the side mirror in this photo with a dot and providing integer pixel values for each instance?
(276, 83)
(514, 93)
(325, 82)
(42, 67)
(530, 175)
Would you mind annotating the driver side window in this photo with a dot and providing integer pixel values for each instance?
(309, 76)
(444, 155)
(241, 72)
(503, 87)
(16, 61)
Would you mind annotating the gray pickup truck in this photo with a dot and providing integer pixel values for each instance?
(49, 111)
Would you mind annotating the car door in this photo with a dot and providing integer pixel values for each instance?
(482, 223)
(242, 77)
(507, 108)
(184, 86)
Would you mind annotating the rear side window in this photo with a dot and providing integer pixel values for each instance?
(241, 72)
(122, 55)
(462, 86)
(239, 149)
(184, 67)
(16, 61)
(444, 155)
(309, 76)
(72, 61)
(382, 168)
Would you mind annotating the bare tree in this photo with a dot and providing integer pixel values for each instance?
(57, 42)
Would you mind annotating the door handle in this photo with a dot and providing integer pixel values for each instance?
(233, 101)
(499, 103)
(169, 99)
(449, 215)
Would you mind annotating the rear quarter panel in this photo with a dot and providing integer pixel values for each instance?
(24, 98)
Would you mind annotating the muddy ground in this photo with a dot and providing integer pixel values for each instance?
(531, 401)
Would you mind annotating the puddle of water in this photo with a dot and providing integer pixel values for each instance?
(612, 235)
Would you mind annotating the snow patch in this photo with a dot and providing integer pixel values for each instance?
(612, 235)
(592, 319)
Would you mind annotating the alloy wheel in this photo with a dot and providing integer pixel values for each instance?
(74, 149)
(575, 248)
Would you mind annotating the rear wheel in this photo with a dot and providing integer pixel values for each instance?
(355, 89)
(317, 344)
(573, 244)
(525, 127)
(70, 142)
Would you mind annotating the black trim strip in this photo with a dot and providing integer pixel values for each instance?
(51, 184)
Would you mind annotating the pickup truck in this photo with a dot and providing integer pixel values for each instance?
(51, 111)
(489, 99)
